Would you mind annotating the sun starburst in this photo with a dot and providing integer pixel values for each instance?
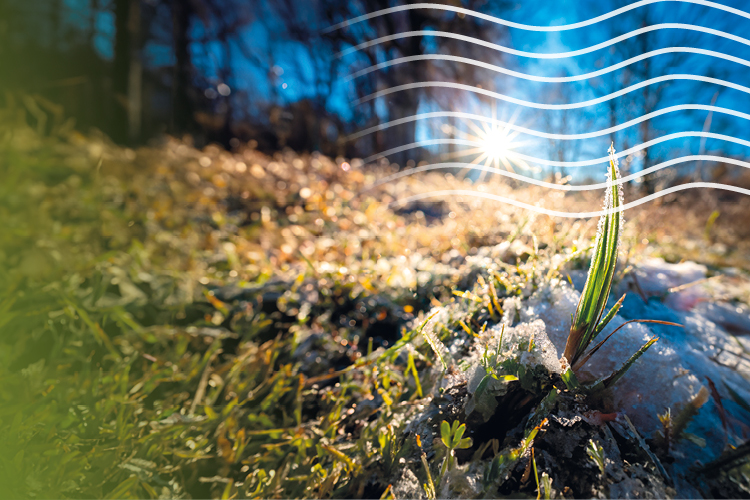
(496, 143)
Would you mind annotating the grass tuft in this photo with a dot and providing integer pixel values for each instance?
(595, 451)
(587, 322)
(452, 438)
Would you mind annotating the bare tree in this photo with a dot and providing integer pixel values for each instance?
(181, 74)
(127, 71)
(405, 104)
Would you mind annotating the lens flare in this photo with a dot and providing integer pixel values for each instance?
(496, 142)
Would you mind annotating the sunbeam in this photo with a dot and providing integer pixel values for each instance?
(494, 144)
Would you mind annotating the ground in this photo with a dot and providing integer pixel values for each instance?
(202, 323)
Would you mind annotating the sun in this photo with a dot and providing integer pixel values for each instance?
(495, 141)
(496, 144)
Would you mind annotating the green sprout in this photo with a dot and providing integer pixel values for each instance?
(536, 476)
(546, 482)
(596, 453)
(588, 321)
(673, 427)
(501, 464)
(491, 362)
(429, 486)
(389, 448)
(452, 438)
(710, 224)
(547, 485)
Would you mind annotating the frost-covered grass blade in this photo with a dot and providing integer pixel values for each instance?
(593, 350)
(587, 322)
(618, 374)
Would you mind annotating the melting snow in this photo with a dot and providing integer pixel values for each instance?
(678, 365)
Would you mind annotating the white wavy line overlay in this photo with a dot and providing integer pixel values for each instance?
(529, 27)
(537, 105)
(546, 79)
(543, 55)
(550, 185)
(565, 164)
(546, 135)
(569, 215)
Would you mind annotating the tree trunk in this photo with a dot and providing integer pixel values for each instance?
(94, 8)
(56, 22)
(120, 70)
(181, 107)
(135, 73)
(406, 102)
(127, 72)
(226, 76)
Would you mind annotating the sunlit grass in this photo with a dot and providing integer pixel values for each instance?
(588, 322)
(122, 376)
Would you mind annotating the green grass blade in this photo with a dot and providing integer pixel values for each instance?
(618, 374)
(611, 314)
(445, 433)
(585, 357)
(570, 379)
(595, 292)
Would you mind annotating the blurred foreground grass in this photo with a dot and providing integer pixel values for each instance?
(184, 323)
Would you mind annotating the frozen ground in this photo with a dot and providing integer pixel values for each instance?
(227, 279)
(712, 346)
(706, 361)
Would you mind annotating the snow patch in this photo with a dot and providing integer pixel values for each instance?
(671, 372)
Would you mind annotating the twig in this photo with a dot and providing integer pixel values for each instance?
(199, 393)
(692, 283)
(648, 451)
(638, 286)
(593, 350)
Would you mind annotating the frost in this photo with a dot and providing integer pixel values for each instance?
(436, 316)
(608, 199)
(675, 368)
(668, 375)
(732, 317)
(525, 345)
(511, 307)
(555, 306)
(408, 486)
(544, 351)
(484, 402)
(462, 482)
(655, 276)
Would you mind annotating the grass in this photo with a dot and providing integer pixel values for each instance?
(596, 453)
(673, 428)
(451, 435)
(155, 337)
(589, 319)
(170, 329)
(126, 374)
(587, 322)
